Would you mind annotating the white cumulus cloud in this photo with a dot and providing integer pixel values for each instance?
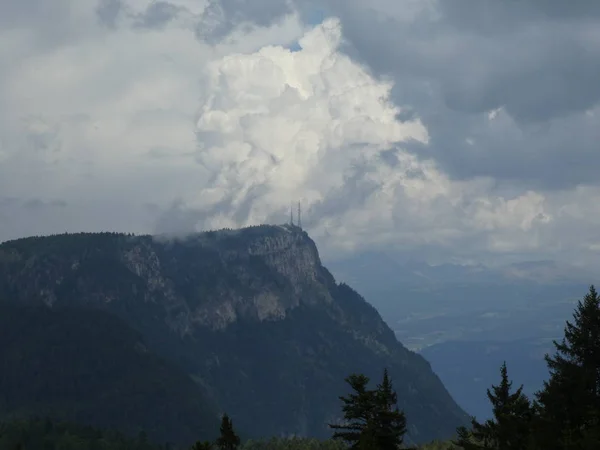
(293, 123)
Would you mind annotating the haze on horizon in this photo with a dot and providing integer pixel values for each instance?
(444, 130)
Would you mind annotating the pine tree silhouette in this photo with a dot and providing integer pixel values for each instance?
(510, 427)
(569, 403)
(358, 408)
(228, 440)
(373, 420)
(391, 422)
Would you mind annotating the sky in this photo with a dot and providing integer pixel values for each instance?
(449, 130)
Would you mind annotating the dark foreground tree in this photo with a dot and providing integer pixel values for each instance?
(372, 418)
(228, 439)
(569, 403)
(358, 408)
(511, 425)
(389, 420)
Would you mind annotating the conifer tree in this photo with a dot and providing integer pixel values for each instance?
(373, 420)
(569, 403)
(228, 439)
(510, 427)
(391, 422)
(358, 408)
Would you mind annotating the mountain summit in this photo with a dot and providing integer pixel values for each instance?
(251, 315)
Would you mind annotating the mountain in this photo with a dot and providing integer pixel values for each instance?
(77, 364)
(251, 315)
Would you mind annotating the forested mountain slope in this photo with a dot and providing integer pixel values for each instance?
(88, 366)
(251, 315)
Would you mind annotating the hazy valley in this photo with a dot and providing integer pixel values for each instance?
(467, 320)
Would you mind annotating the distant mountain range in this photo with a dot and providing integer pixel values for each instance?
(372, 269)
(251, 316)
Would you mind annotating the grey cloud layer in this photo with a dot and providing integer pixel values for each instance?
(506, 90)
(538, 60)
(456, 60)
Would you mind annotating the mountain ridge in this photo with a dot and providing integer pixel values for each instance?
(251, 314)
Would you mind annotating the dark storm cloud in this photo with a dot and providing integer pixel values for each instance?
(49, 20)
(536, 75)
(556, 154)
(261, 12)
(17, 13)
(108, 12)
(157, 15)
(538, 60)
(537, 69)
(222, 16)
(490, 15)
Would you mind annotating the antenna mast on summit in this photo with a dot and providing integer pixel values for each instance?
(299, 216)
(292, 215)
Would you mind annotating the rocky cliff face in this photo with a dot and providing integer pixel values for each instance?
(251, 315)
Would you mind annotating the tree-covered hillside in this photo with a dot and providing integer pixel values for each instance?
(251, 315)
(564, 415)
(90, 367)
